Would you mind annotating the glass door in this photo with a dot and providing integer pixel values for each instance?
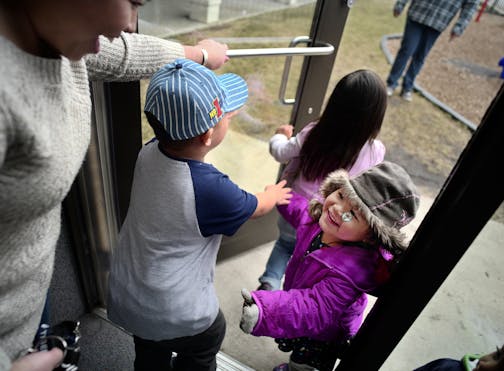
(244, 153)
(242, 24)
(247, 24)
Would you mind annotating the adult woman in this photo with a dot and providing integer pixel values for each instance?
(49, 49)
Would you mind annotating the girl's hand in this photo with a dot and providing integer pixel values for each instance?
(250, 312)
(286, 130)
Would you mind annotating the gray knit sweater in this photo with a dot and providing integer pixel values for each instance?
(45, 113)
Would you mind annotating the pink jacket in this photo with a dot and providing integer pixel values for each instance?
(287, 151)
(324, 292)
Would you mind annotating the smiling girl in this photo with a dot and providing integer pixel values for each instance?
(345, 244)
(344, 137)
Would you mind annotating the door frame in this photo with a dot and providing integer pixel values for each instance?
(98, 202)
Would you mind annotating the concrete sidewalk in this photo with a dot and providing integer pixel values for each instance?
(465, 315)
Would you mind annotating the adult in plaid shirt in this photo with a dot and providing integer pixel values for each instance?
(425, 22)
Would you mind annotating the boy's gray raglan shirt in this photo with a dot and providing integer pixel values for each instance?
(162, 272)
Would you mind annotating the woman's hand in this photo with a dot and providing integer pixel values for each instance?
(213, 57)
(39, 361)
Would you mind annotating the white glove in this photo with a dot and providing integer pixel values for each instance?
(250, 312)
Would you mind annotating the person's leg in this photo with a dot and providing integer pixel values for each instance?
(409, 43)
(309, 354)
(151, 355)
(277, 262)
(198, 352)
(280, 255)
(294, 366)
(426, 41)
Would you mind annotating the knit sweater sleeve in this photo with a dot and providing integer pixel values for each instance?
(5, 363)
(131, 57)
(3, 136)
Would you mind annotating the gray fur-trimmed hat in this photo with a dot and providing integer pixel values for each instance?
(386, 196)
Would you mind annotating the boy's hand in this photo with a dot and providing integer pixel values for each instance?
(250, 312)
(275, 194)
(286, 130)
(282, 194)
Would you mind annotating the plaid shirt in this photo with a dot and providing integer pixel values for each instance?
(439, 13)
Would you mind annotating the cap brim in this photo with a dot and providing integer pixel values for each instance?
(236, 91)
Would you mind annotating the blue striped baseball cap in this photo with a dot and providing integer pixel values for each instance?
(188, 98)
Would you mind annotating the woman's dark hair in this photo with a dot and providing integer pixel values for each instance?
(352, 117)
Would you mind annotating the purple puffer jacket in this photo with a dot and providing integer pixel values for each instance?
(324, 292)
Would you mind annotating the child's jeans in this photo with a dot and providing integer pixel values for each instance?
(280, 255)
(195, 353)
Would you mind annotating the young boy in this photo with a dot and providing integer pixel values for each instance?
(161, 278)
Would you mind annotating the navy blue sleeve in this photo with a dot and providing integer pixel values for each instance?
(444, 364)
(221, 206)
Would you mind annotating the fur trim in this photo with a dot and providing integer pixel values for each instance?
(392, 238)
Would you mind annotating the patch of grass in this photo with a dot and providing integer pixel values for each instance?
(420, 130)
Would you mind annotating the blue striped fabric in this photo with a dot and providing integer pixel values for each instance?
(188, 98)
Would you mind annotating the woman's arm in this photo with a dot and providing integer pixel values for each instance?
(211, 52)
(135, 56)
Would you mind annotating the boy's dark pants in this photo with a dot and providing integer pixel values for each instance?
(195, 353)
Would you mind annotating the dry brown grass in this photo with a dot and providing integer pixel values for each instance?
(418, 135)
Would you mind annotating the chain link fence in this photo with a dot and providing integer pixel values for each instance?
(493, 6)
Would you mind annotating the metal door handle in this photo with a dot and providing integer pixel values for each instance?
(320, 48)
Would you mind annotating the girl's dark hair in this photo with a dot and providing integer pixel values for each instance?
(352, 117)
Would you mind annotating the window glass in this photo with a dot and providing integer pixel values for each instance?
(241, 25)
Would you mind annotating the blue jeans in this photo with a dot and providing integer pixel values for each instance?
(280, 255)
(416, 43)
